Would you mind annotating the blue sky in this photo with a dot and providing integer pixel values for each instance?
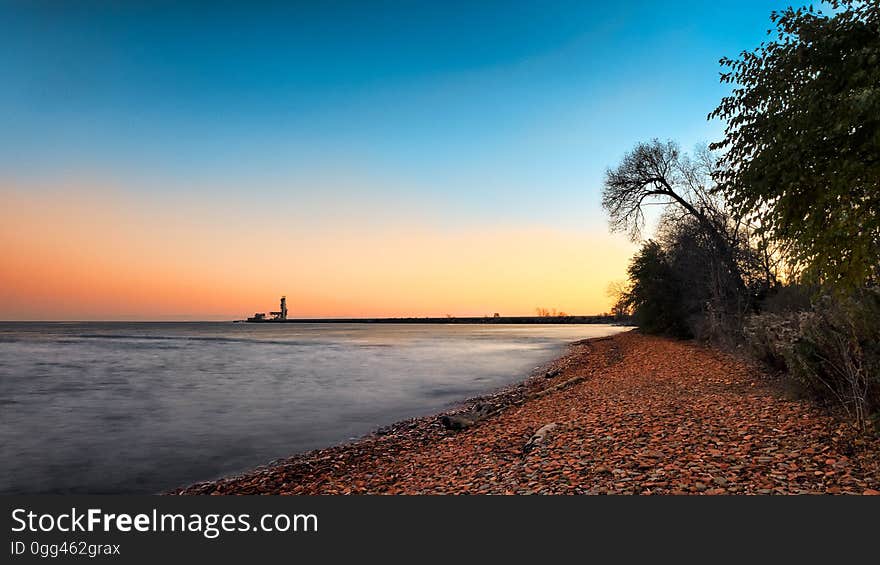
(486, 105)
(453, 115)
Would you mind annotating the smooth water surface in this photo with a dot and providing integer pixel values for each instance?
(146, 407)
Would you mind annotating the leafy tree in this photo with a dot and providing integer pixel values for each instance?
(711, 306)
(801, 153)
(655, 295)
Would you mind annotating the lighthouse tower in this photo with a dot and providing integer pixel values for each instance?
(283, 314)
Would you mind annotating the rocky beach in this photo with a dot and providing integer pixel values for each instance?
(627, 414)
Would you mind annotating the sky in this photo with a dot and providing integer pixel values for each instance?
(185, 161)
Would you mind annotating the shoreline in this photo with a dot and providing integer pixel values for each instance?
(510, 395)
(621, 414)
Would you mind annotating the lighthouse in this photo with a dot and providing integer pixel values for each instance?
(283, 314)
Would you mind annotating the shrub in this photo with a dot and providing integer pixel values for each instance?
(832, 350)
(787, 299)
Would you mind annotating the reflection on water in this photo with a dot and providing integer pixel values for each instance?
(144, 407)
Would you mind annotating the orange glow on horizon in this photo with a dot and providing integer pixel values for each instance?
(87, 254)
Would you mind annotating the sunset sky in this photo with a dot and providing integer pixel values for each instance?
(167, 161)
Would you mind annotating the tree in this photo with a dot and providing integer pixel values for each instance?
(655, 293)
(717, 267)
(618, 292)
(658, 173)
(801, 153)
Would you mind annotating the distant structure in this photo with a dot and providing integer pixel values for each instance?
(278, 316)
(281, 314)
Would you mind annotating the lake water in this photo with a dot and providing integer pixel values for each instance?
(146, 407)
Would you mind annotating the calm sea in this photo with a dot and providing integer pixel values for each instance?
(145, 407)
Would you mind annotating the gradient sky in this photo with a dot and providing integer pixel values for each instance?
(175, 161)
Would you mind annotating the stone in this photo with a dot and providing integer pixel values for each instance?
(457, 421)
(539, 436)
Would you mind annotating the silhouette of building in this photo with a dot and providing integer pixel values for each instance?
(281, 314)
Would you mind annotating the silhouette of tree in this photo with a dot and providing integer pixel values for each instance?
(659, 173)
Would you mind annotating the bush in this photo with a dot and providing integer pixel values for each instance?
(768, 338)
(832, 350)
(717, 325)
(787, 299)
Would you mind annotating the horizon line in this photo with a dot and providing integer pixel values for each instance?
(294, 320)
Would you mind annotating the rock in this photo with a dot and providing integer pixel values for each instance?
(552, 373)
(700, 487)
(871, 492)
(457, 421)
(467, 419)
(720, 481)
(539, 437)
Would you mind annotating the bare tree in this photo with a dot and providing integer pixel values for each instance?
(618, 292)
(657, 173)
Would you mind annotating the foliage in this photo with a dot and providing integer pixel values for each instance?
(711, 301)
(833, 349)
(714, 268)
(655, 295)
(679, 286)
(787, 299)
(787, 211)
(802, 140)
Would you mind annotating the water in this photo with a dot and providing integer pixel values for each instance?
(146, 407)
